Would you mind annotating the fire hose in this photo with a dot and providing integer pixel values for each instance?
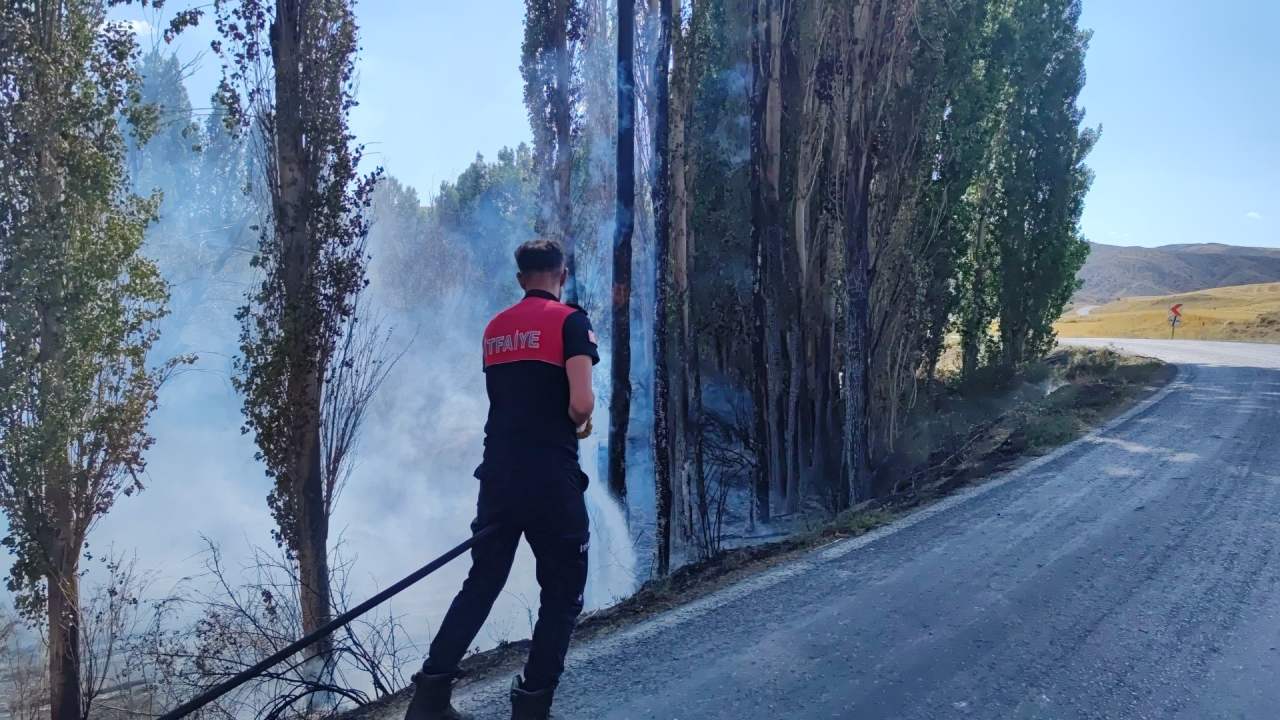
(248, 674)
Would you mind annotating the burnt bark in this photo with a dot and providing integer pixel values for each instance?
(662, 425)
(624, 228)
(767, 235)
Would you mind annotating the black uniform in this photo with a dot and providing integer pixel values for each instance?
(530, 483)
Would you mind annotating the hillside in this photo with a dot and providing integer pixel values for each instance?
(1114, 272)
(1244, 312)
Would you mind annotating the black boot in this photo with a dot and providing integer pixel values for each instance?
(431, 698)
(530, 704)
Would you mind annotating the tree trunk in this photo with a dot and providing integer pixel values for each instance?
(974, 329)
(662, 457)
(65, 699)
(767, 238)
(684, 423)
(62, 540)
(295, 178)
(562, 117)
(858, 293)
(800, 286)
(313, 548)
(624, 227)
(875, 40)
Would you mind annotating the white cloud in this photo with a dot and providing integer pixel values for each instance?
(1253, 215)
(139, 27)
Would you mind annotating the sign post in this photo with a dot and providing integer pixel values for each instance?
(1175, 318)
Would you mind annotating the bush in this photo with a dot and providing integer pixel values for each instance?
(1050, 430)
(1082, 364)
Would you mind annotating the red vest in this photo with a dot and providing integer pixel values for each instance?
(532, 329)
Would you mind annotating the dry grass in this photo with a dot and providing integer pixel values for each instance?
(1241, 312)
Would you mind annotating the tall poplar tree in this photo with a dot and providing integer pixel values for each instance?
(1042, 177)
(297, 326)
(78, 306)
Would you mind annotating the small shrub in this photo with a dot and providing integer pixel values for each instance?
(1049, 430)
(1083, 364)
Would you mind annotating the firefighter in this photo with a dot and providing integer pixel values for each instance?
(538, 356)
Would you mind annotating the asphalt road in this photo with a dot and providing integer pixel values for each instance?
(1133, 574)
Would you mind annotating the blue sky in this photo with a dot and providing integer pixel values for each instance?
(1186, 92)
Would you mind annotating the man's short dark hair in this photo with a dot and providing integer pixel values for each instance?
(540, 255)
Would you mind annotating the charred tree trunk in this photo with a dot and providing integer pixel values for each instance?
(624, 227)
(662, 436)
(808, 108)
(767, 237)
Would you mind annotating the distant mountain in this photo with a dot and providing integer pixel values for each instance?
(1114, 271)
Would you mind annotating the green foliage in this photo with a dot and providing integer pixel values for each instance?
(1020, 215)
(1047, 430)
(489, 209)
(78, 303)
(166, 158)
(312, 251)
(1039, 172)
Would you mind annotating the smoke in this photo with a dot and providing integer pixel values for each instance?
(411, 494)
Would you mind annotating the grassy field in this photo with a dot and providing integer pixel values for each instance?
(1241, 312)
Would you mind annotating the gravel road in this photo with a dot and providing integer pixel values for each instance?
(1132, 574)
